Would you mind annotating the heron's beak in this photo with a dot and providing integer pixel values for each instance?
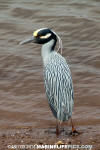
(30, 40)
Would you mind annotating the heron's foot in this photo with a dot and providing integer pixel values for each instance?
(74, 132)
(59, 131)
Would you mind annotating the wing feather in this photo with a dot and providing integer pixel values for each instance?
(59, 87)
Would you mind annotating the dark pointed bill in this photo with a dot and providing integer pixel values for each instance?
(30, 40)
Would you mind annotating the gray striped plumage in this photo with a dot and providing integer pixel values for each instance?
(59, 87)
(57, 76)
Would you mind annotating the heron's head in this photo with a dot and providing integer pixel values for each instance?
(41, 36)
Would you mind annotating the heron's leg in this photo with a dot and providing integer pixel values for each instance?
(74, 131)
(73, 128)
(58, 128)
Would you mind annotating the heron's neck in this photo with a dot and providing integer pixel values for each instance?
(47, 49)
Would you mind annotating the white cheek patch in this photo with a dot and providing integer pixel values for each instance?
(46, 36)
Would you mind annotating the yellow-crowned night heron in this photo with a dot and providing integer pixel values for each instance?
(57, 76)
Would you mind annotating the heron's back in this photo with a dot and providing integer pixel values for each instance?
(59, 87)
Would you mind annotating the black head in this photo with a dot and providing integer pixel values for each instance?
(43, 36)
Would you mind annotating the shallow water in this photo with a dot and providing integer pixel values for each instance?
(22, 93)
